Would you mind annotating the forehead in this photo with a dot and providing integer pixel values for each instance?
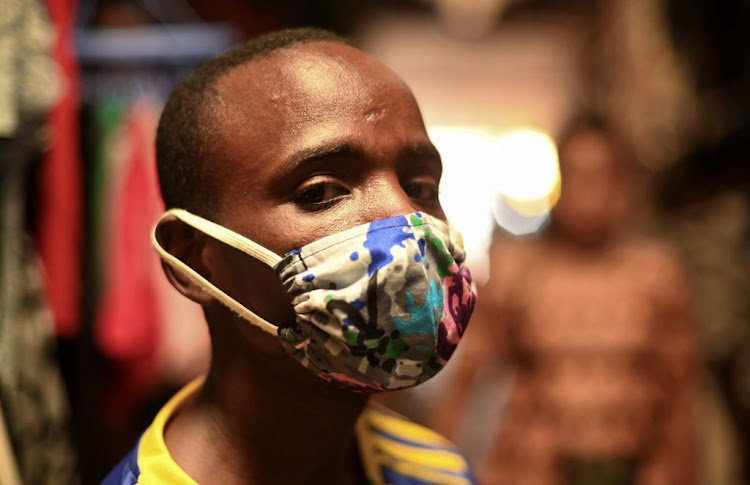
(277, 97)
(315, 79)
(588, 151)
(301, 97)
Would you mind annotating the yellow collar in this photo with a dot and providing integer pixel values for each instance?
(387, 441)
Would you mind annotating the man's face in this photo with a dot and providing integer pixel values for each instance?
(316, 139)
(313, 140)
(590, 203)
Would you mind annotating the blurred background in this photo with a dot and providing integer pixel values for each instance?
(649, 231)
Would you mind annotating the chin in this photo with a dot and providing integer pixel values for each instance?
(592, 236)
(588, 233)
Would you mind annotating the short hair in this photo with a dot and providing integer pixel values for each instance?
(596, 122)
(184, 128)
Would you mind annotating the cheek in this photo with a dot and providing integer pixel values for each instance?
(292, 228)
(252, 283)
(436, 211)
(278, 228)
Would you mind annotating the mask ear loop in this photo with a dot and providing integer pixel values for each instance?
(228, 237)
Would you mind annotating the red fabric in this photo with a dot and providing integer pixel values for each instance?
(128, 326)
(60, 214)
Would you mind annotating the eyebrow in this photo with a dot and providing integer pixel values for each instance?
(415, 150)
(333, 150)
(321, 152)
(422, 151)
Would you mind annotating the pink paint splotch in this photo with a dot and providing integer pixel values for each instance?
(459, 298)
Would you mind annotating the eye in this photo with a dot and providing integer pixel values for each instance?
(319, 195)
(423, 192)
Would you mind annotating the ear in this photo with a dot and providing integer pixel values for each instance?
(186, 244)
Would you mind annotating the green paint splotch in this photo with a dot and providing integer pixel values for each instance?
(432, 367)
(444, 258)
(396, 347)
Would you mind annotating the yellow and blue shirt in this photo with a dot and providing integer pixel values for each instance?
(394, 451)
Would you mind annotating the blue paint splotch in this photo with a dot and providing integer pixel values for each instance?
(354, 256)
(308, 278)
(382, 237)
(421, 243)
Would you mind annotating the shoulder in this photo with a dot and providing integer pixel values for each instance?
(510, 258)
(658, 259)
(661, 270)
(401, 451)
(512, 253)
(150, 461)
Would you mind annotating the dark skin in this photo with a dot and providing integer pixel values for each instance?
(595, 185)
(312, 140)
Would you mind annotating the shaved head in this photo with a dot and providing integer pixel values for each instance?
(192, 119)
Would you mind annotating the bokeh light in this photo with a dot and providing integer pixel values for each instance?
(510, 178)
(527, 171)
(465, 188)
(526, 180)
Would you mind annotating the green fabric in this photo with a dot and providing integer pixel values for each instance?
(108, 116)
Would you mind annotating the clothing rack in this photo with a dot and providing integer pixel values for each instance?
(152, 44)
(129, 62)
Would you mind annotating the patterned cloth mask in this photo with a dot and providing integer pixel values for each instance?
(378, 307)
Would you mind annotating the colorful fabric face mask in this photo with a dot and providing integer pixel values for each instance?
(378, 307)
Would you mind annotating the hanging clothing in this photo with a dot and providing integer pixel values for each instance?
(28, 81)
(31, 390)
(127, 327)
(107, 117)
(34, 407)
(139, 310)
(60, 216)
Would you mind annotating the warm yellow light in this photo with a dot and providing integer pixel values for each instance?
(465, 188)
(511, 180)
(527, 172)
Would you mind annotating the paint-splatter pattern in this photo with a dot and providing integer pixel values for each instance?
(380, 306)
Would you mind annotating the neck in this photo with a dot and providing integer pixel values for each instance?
(259, 412)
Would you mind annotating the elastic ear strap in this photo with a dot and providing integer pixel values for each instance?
(226, 236)
(196, 278)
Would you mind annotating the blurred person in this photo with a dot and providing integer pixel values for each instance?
(299, 152)
(595, 322)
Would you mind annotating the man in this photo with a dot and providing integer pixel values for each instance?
(298, 152)
(595, 320)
